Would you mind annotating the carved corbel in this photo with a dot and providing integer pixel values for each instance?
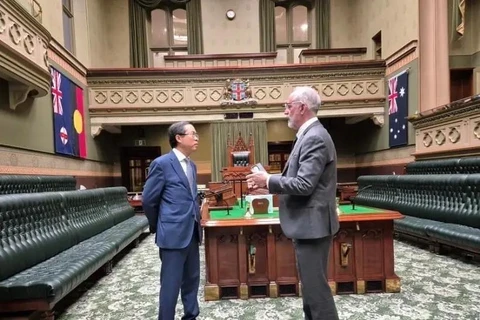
(17, 93)
(112, 128)
(357, 119)
(378, 119)
(95, 129)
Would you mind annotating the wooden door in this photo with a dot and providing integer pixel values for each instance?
(461, 84)
(135, 162)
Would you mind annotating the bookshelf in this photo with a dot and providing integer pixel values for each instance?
(278, 153)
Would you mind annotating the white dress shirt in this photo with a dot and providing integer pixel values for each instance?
(300, 131)
(182, 159)
(304, 126)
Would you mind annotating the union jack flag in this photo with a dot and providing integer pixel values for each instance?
(393, 95)
(57, 92)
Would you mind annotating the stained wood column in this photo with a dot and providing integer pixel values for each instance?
(433, 54)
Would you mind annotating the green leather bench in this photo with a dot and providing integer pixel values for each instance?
(11, 184)
(465, 165)
(443, 209)
(53, 241)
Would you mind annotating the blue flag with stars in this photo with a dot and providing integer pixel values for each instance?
(398, 109)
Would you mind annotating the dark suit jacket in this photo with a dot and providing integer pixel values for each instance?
(169, 204)
(307, 186)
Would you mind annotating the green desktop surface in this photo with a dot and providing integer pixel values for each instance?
(348, 210)
(238, 213)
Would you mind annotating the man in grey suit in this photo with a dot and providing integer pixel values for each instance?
(307, 190)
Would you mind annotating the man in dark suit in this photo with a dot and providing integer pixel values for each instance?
(170, 204)
(307, 190)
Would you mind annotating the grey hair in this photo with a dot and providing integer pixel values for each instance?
(174, 130)
(308, 96)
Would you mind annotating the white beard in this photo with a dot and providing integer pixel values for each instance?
(290, 124)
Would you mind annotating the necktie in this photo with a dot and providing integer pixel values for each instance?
(293, 144)
(293, 147)
(190, 175)
(191, 182)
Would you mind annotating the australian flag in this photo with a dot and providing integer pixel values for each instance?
(398, 109)
(68, 116)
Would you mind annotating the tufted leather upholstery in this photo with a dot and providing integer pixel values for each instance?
(12, 184)
(119, 208)
(56, 277)
(443, 207)
(445, 166)
(51, 242)
(415, 226)
(241, 158)
(56, 183)
(86, 212)
(377, 191)
(33, 228)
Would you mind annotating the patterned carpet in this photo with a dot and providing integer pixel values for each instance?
(433, 287)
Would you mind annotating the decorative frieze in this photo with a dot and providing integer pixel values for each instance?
(119, 97)
(449, 129)
(124, 99)
(23, 53)
(448, 137)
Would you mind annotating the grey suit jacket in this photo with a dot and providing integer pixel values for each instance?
(307, 186)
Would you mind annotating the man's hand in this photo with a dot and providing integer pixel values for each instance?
(257, 180)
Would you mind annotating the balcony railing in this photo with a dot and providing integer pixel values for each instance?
(452, 129)
(23, 42)
(197, 87)
(182, 60)
(218, 60)
(332, 55)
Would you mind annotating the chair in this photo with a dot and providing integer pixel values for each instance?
(239, 154)
(240, 158)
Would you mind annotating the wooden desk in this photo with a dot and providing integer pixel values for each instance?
(346, 191)
(136, 204)
(232, 271)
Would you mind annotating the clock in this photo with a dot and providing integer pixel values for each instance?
(230, 14)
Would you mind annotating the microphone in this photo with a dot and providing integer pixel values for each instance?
(358, 192)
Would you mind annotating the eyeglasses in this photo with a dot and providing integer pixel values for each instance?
(193, 134)
(289, 105)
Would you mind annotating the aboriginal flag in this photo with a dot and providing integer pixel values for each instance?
(68, 116)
